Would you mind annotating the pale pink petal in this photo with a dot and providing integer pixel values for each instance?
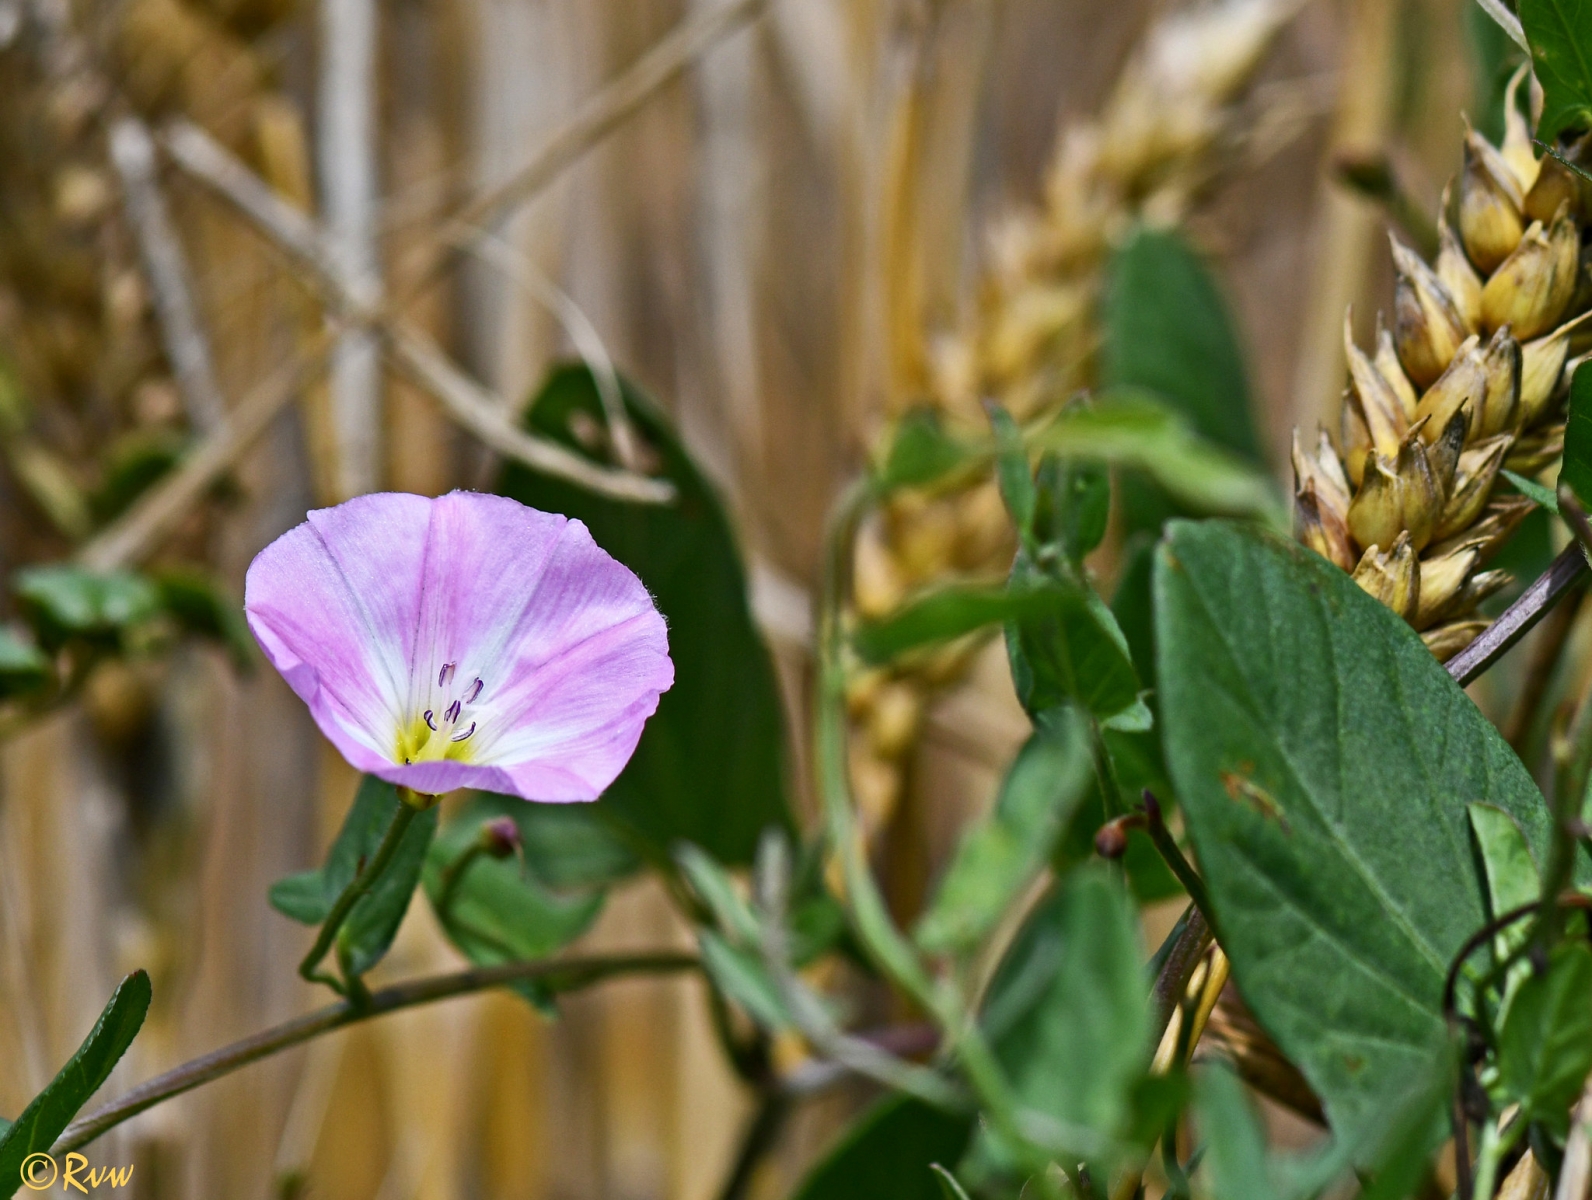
(533, 656)
(338, 622)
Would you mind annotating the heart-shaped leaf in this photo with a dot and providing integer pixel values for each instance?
(1325, 761)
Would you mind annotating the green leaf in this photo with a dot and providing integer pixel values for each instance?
(522, 909)
(1012, 473)
(1545, 1047)
(1577, 467)
(739, 972)
(1532, 490)
(1511, 872)
(1167, 330)
(886, 1153)
(373, 923)
(1070, 649)
(1235, 1144)
(943, 614)
(1067, 1011)
(1560, 35)
(134, 463)
(201, 606)
(1323, 760)
(950, 1188)
(1129, 427)
(921, 452)
(710, 767)
(1073, 507)
(715, 888)
(23, 668)
(85, 1072)
(65, 601)
(1000, 856)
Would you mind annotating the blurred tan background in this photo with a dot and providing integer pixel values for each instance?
(742, 246)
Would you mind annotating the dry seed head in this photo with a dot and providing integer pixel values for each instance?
(1460, 404)
(1517, 149)
(1427, 327)
(1321, 527)
(1399, 495)
(1529, 291)
(1458, 276)
(1460, 390)
(1445, 641)
(1490, 222)
(1473, 481)
(1443, 578)
(1392, 371)
(1380, 405)
(1500, 406)
(1393, 576)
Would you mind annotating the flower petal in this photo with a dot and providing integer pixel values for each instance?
(333, 603)
(570, 648)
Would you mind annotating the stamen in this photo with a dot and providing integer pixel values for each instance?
(459, 737)
(475, 691)
(452, 714)
(445, 674)
(430, 722)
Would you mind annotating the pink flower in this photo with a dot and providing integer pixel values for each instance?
(466, 641)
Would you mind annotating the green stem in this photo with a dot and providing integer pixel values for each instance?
(561, 975)
(454, 872)
(1494, 1145)
(885, 944)
(361, 883)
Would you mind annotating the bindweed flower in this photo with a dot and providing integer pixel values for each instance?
(465, 641)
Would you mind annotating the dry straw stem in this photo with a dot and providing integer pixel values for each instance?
(135, 536)
(470, 404)
(1174, 124)
(1466, 381)
(132, 151)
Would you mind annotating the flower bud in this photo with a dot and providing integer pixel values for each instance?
(1490, 223)
(1473, 481)
(1379, 404)
(1427, 326)
(1500, 405)
(1460, 389)
(1445, 641)
(1392, 371)
(499, 837)
(1442, 579)
(1111, 839)
(1458, 276)
(1529, 291)
(1393, 576)
(1541, 362)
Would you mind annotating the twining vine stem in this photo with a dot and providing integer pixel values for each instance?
(560, 975)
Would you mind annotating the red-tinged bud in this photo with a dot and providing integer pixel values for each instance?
(499, 837)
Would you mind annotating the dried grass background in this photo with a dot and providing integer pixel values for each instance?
(742, 248)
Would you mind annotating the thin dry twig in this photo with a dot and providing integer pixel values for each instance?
(413, 352)
(619, 99)
(132, 151)
(133, 537)
(140, 529)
